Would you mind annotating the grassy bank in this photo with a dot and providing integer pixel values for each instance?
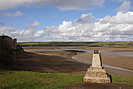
(125, 43)
(35, 80)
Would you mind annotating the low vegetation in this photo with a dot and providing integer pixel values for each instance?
(34, 80)
(122, 79)
(74, 43)
(6, 60)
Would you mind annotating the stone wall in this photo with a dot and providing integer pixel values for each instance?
(7, 42)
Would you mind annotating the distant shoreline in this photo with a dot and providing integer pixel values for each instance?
(88, 44)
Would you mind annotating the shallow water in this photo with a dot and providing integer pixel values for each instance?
(110, 52)
(105, 52)
(54, 50)
(126, 54)
(43, 50)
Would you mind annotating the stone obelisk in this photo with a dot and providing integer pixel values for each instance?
(96, 73)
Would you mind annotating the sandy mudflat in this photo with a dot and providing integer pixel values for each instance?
(49, 63)
(38, 48)
(118, 61)
(62, 62)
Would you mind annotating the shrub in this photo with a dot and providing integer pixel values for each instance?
(5, 60)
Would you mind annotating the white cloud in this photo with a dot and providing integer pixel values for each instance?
(7, 4)
(85, 18)
(39, 33)
(78, 4)
(61, 4)
(34, 25)
(65, 26)
(7, 30)
(11, 14)
(28, 34)
(17, 13)
(115, 28)
(118, 27)
(120, 0)
(125, 6)
(120, 18)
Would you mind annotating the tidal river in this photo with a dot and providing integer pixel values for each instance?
(105, 52)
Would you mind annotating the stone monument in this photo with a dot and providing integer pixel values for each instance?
(96, 73)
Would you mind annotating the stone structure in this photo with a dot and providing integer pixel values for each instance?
(96, 73)
(7, 42)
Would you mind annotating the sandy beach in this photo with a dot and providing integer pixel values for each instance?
(61, 62)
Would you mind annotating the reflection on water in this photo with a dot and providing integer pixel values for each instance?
(126, 54)
(43, 50)
(109, 52)
(105, 52)
(91, 51)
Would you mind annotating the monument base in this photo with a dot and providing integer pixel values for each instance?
(96, 75)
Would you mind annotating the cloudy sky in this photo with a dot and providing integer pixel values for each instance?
(67, 20)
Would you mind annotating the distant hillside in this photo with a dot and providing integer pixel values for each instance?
(106, 44)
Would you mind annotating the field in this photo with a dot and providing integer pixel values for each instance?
(74, 43)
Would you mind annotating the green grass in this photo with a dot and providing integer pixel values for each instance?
(34, 80)
(102, 43)
(74, 43)
(122, 79)
(54, 43)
